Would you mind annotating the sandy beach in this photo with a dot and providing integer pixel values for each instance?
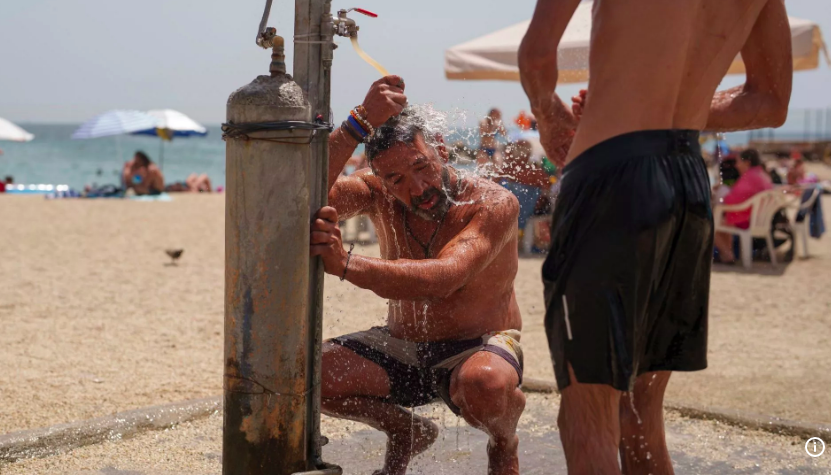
(94, 320)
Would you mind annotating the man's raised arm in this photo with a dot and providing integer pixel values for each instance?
(762, 101)
(460, 260)
(538, 72)
(385, 99)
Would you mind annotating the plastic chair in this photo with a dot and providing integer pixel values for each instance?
(802, 230)
(764, 207)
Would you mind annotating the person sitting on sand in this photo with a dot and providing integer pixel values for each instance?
(753, 179)
(142, 176)
(448, 261)
(193, 184)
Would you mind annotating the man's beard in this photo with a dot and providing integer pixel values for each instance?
(443, 204)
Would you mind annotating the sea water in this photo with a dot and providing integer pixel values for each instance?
(53, 158)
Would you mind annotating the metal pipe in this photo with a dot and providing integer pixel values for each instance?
(274, 291)
(312, 71)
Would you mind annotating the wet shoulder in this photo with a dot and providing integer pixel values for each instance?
(492, 199)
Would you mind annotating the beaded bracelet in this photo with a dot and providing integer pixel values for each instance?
(365, 123)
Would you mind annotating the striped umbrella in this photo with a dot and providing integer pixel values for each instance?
(115, 122)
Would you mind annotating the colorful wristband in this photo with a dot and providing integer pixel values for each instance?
(357, 126)
(351, 131)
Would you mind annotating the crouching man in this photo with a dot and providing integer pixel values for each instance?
(449, 258)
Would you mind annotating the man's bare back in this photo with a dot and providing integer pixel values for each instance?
(656, 65)
(627, 277)
(486, 303)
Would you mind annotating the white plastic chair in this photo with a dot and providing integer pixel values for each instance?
(764, 207)
(802, 230)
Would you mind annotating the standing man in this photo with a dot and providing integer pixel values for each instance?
(627, 277)
(489, 127)
(448, 261)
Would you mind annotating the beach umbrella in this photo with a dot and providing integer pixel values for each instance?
(494, 56)
(9, 131)
(114, 122)
(170, 124)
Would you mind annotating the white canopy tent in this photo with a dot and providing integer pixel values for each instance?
(494, 56)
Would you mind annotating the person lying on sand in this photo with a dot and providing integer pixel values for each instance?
(193, 184)
(449, 258)
(142, 176)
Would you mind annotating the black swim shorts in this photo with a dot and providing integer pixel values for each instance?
(419, 372)
(627, 279)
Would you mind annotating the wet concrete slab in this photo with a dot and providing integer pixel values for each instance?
(541, 454)
(697, 447)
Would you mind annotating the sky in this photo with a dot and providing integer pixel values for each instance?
(68, 60)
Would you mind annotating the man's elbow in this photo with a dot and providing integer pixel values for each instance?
(536, 56)
(779, 111)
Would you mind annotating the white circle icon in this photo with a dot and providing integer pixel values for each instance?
(815, 447)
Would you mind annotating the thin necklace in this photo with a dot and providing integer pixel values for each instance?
(424, 247)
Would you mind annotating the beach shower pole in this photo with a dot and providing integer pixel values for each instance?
(313, 54)
(276, 165)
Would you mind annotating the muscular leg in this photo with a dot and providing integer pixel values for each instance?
(643, 447)
(485, 388)
(349, 388)
(590, 427)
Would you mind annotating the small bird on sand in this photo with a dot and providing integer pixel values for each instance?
(174, 254)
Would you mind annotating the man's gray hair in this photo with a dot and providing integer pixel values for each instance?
(403, 129)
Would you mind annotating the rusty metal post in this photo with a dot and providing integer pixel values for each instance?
(273, 290)
(266, 381)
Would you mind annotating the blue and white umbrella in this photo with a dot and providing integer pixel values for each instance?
(170, 124)
(115, 122)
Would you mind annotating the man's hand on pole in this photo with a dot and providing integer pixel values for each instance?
(326, 241)
(385, 99)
